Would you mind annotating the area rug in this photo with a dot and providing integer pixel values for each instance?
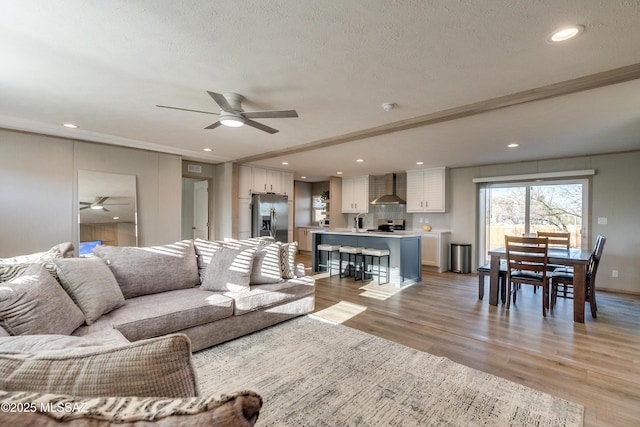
(314, 373)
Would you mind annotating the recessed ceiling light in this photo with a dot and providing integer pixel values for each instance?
(70, 125)
(339, 173)
(419, 163)
(285, 163)
(565, 33)
(207, 149)
(513, 145)
(360, 160)
(303, 177)
(116, 217)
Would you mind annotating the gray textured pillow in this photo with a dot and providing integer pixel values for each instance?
(35, 303)
(204, 250)
(150, 270)
(288, 253)
(229, 270)
(160, 367)
(91, 285)
(266, 265)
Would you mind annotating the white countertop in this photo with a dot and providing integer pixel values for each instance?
(392, 234)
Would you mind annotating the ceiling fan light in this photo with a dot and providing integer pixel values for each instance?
(96, 207)
(232, 121)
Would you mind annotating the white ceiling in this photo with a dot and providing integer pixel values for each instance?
(104, 65)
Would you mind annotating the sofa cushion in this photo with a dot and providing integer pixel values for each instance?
(24, 344)
(229, 270)
(91, 285)
(159, 314)
(11, 268)
(35, 303)
(266, 265)
(288, 260)
(160, 367)
(238, 409)
(149, 270)
(263, 296)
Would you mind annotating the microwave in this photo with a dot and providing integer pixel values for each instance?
(324, 223)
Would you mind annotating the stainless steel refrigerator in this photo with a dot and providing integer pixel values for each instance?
(270, 216)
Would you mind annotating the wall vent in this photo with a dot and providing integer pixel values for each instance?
(194, 169)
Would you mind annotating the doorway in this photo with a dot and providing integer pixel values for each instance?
(195, 208)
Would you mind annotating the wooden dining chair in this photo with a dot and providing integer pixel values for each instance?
(562, 278)
(527, 264)
(557, 240)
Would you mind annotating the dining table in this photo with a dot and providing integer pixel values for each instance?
(576, 258)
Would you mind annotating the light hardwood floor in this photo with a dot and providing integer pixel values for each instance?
(596, 364)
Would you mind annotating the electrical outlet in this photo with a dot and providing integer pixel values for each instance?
(420, 220)
(614, 273)
(426, 220)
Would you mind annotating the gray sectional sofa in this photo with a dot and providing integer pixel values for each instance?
(67, 325)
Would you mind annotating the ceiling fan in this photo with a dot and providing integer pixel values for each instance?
(233, 115)
(99, 204)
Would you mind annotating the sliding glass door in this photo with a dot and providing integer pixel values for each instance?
(524, 208)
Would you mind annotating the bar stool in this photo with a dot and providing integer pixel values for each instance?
(330, 250)
(376, 254)
(352, 257)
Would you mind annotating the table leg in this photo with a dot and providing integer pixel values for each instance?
(494, 273)
(579, 283)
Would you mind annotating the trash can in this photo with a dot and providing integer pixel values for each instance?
(460, 258)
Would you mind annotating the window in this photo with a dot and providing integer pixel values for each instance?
(524, 208)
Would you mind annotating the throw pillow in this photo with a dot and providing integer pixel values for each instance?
(204, 250)
(151, 270)
(10, 268)
(288, 260)
(229, 270)
(266, 265)
(34, 303)
(237, 409)
(160, 367)
(91, 285)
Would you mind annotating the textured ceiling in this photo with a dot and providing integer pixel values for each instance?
(104, 65)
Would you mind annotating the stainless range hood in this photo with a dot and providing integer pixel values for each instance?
(390, 197)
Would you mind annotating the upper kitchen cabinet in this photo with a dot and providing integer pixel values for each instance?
(261, 180)
(355, 194)
(267, 181)
(427, 190)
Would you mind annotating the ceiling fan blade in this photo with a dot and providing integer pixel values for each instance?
(213, 125)
(260, 126)
(105, 209)
(85, 207)
(186, 109)
(101, 200)
(221, 101)
(270, 114)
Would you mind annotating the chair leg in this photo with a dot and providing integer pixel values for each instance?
(509, 295)
(592, 303)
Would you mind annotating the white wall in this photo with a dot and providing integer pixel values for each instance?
(38, 190)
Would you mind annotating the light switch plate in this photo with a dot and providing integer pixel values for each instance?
(602, 220)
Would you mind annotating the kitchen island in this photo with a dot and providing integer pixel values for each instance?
(405, 250)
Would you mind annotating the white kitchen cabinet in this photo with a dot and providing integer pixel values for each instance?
(244, 218)
(427, 190)
(287, 184)
(305, 235)
(435, 250)
(245, 181)
(355, 194)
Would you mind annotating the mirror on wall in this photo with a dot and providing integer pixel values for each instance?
(107, 210)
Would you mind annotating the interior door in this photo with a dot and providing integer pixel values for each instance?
(201, 210)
